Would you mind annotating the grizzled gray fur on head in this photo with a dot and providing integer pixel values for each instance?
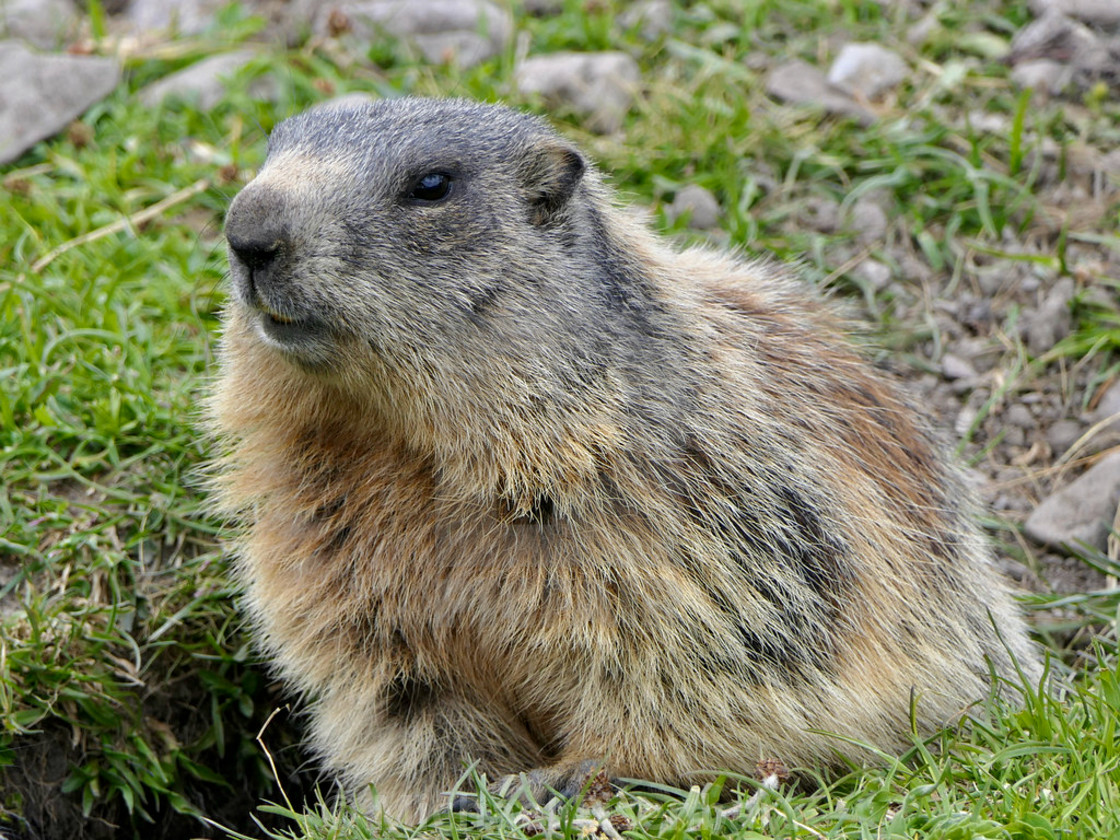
(521, 484)
(509, 177)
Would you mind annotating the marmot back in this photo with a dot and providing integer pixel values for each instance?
(522, 485)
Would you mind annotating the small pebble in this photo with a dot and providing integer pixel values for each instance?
(954, 367)
(875, 274)
(869, 221)
(867, 70)
(699, 204)
(1019, 415)
(1063, 434)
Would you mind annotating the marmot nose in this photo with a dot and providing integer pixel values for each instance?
(257, 250)
(257, 230)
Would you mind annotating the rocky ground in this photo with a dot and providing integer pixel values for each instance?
(985, 336)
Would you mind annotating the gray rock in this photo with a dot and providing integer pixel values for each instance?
(821, 213)
(1100, 12)
(654, 18)
(1052, 36)
(875, 274)
(1108, 411)
(1042, 74)
(186, 17)
(867, 70)
(1062, 435)
(980, 352)
(1081, 512)
(923, 30)
(41, 94)
(954, 367)
(204, 82)
(800, 83)
(965, 418)
(1019, 415)
(47, 24)
(598, 86)
(992, 278)
(1052, 321)
(1068, 42)
(462, 32)
(869, 221)
(701, 206)
(1015, 571)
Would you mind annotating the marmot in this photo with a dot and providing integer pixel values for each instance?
(523, 485)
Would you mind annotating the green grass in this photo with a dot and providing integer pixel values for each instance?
(125, 674)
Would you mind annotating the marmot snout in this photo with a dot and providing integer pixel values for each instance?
(523, 485)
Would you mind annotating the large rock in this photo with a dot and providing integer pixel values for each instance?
(1081, 512)
(464, 32)
(205, 82)
(41, 94)
(47, 24)
(598, 86)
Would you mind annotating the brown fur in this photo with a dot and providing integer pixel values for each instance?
(545, 491)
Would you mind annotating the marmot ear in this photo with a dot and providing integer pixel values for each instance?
(551, 174)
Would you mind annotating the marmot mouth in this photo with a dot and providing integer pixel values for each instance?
(286, 331)
(280, 319)
(272, 318)
(270, 314)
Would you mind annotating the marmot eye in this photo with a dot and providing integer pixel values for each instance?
(434, 186)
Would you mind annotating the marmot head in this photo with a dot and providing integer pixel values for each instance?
(392, 225)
